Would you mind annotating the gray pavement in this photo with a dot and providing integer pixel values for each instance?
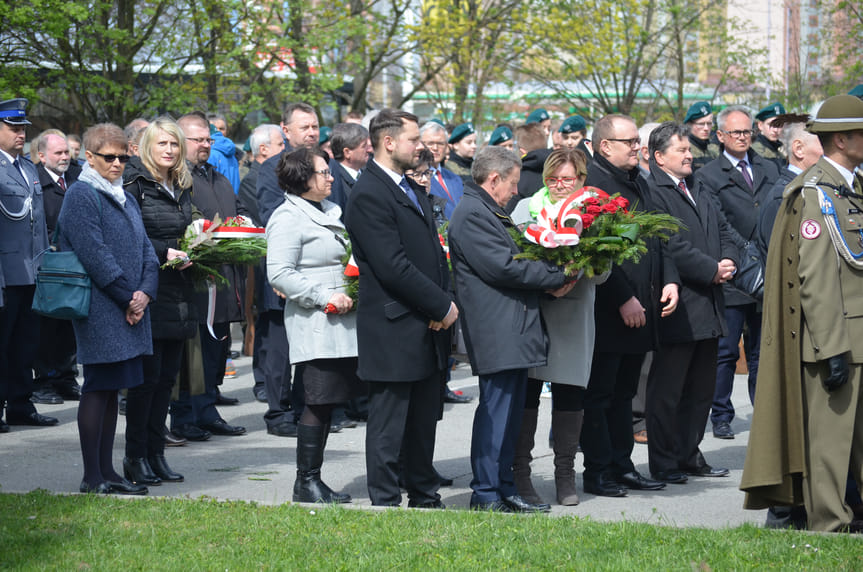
(260, 467)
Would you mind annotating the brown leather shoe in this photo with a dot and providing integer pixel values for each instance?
(640, 436)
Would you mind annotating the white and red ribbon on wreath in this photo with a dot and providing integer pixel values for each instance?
(561, 224)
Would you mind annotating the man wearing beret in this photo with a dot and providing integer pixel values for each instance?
(541, 116)
(23, 237)
(809, 402)
(462, 145)
(502, 137)
(699, 119)
(767, 142)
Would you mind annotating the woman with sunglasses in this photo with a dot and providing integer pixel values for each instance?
(160, 181)
(570, 327)
(305, 246)
(115, 335)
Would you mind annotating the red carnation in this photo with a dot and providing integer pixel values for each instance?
(587, 220)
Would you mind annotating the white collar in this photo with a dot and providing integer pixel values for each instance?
(396, 177)
(846, 174)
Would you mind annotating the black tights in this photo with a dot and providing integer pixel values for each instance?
(316, 415)
(97, 423)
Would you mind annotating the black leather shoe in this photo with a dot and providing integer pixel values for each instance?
(673, 477)
(436, 504)
(34, 419)
(494, 506)
(70, 392)
(518, 504)
(604, 487)
(260, 394)
(221, 427)
(723, 430)
(172, 440)
(638, 482)
(225, 400)
(100, 489)
(162, 470)
(46, 396)
(126, 487)
(452, 397)
(139, 472)
(191, 432)
(283, 429)
(4, 428)
(707, 471)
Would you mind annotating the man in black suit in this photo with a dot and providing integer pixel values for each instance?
(56, 364)
(680, 386)
(404, 306)
(738, 183)
(352, 149)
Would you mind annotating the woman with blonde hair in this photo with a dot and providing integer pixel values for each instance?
(160, 181)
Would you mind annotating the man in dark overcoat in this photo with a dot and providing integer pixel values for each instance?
(403, 312)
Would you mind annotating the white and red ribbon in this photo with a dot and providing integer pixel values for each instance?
(561, 224)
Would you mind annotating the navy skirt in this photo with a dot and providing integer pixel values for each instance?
(113, 376)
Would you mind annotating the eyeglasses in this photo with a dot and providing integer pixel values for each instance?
(427, 174)
(112, 158)
(634, 142)
(561, 182)
(740, 133)
(324, 172)
(200, 140)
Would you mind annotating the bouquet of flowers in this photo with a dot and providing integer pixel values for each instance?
(590, 231)
(211, 243)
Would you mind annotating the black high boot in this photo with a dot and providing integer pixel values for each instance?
(310, 456)
(139, 472)
(163, 471)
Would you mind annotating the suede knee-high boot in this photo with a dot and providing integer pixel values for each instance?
(522, 459)
(310, 456)
(566, 426)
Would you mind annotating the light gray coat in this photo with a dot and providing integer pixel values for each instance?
(304, 251)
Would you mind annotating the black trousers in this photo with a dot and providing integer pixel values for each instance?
(402, 412)
(273, 367)
(56, 362)
(19, 340)
(679, 394)
(606, 436)
(147, 404)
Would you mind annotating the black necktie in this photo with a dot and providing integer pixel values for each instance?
(17, 164)
(410, 193)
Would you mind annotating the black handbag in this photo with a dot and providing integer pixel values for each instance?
(62, 284)
(750, 273)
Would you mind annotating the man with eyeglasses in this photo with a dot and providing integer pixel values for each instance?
(213, 195)
(768, 142)
(444, 183)
(699, 120)
(739, 183)
(628, 308)
(23, 236)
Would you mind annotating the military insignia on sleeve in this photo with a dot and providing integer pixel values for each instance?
(810, 229)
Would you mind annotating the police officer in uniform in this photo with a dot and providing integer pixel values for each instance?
(23, 237)
(803, 429)
(699, 120)
(767, 143)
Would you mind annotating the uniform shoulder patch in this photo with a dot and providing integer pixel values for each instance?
(810, 229)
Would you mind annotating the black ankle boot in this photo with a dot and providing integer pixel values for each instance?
(139, 472)
(310, 456)
(162, 470)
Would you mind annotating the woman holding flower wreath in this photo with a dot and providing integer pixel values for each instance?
(305, 247)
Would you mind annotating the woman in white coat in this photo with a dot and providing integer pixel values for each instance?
(570, 327)
(305, 245)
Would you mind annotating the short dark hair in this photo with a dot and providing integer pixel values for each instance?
(426, 157)
(296, 168)
(347, 136)
(660, 137)
(288, 113)
(604, 128)
(389, 122)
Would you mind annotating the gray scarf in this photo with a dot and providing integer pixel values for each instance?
(113, 190)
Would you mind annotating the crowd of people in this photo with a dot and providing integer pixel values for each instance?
(655, 339)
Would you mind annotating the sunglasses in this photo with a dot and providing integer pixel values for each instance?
(112, 158)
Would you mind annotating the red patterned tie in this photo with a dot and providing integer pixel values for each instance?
(61, 182)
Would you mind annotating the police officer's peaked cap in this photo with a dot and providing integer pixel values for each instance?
(14, 111)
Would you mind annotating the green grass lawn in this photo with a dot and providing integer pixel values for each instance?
(86, 532)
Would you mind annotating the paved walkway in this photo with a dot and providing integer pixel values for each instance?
(261, 467)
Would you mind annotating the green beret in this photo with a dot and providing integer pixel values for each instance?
(838, 113)
(500, 135)
(326, 133)
(461, 132)
(537, 116)
(573, 124)
(857, 91)
(697, 110)
(213, 130)
(769, 111)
